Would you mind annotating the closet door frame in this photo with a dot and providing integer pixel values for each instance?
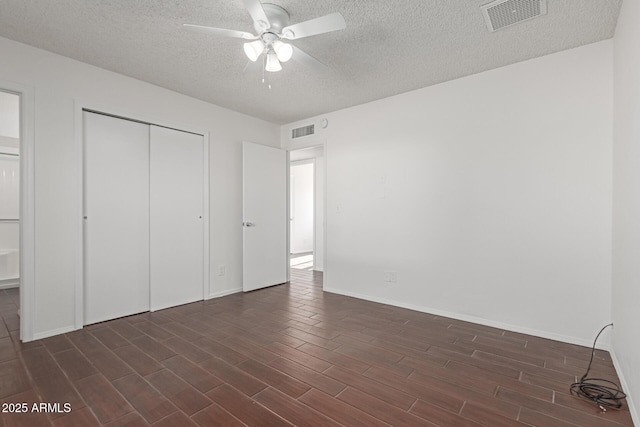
(79, 108)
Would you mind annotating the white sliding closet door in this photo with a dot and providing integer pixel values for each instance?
(177, 210)
(116, 208)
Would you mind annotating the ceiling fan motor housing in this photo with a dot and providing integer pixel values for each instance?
(269, 37)
(278, 18)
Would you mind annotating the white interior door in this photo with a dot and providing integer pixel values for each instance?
(116, 209)
(264, 180)
(177, 224)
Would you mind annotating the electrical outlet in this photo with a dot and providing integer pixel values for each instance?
(222, 270)
(390, 276)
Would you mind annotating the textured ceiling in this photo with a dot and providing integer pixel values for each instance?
(389, 47)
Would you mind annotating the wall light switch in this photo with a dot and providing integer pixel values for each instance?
(222, 270)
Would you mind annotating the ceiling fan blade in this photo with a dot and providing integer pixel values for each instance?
(312, 27)
(257, 13)
(307, 60)
(221, 32)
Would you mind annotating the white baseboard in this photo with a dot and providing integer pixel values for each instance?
(224, 293)
(9, 283)
(633, 409)
(52, 332)
(64, 330)
(473, 319)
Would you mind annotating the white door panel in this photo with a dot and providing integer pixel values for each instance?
(264, 183)
(116, 231)
(177, 230)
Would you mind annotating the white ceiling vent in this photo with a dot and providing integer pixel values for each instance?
(505, 13)
(303, 131)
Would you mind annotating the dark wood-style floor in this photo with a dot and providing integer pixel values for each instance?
(292, 354)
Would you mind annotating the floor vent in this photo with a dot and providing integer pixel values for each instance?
(303, 131)
(505, 13)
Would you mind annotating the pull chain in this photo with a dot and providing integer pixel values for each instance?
(264, 67)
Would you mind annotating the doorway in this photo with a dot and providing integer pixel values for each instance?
(9, 191)
(10, 208)
(301, 214)
(306, 210)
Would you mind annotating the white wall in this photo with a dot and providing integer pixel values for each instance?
(302, 201)
(317, 154)
(9, 115)
(489, 195)
(626, 202)
(9, 185)
(9, 175)
(9, 235)
(318, 250)
(57, 83)
(9, 201)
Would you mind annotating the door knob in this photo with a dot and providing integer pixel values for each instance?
(248, 224)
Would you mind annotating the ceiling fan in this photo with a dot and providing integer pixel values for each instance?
(271, 24)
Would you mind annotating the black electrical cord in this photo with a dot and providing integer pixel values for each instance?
(605, 393)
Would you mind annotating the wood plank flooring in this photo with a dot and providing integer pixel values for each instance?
(294, 355)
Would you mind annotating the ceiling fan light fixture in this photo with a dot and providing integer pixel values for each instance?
(273, 65)
(284, 51)
(273, 30)
(254, 49)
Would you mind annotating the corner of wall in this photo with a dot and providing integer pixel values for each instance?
(633, 407)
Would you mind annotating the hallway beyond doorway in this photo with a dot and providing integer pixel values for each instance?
(302, 261)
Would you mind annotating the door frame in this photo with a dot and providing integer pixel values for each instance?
(310, 145)
(27, 206)
(79, 108)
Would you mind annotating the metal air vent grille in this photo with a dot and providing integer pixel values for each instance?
(505, 13)
(302, 131)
